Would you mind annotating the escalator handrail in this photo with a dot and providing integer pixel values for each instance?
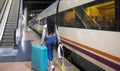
(2, 4)
(18, 23)
(2, 11)
(4, 19)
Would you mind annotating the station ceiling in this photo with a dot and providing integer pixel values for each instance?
(37, 6)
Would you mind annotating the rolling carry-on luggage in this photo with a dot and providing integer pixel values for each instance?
(39, 59)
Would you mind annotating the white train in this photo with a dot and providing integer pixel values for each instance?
(88, 31)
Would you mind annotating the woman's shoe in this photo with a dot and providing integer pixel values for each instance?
(52, 67)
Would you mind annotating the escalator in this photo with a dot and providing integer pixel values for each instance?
(8, 38)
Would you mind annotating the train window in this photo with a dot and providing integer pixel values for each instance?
(60, 17)
(54, 17)
(75, 18)
(69, 18)
(98, 14)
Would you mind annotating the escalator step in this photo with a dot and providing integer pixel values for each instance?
(7, 46)
(8, 40)
(8, 37)
(8, 34)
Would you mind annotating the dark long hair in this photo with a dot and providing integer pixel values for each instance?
(50, 26)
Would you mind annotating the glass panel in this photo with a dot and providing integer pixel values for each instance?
(69, 18)
(102, 13)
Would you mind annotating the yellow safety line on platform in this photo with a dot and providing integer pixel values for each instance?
(59, 65)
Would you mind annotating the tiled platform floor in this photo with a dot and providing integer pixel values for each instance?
(15, 66)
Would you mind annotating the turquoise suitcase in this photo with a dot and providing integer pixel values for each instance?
(39, 58)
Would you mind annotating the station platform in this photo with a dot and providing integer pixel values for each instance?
(22, 60)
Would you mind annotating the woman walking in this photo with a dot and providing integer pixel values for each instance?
(50, 35)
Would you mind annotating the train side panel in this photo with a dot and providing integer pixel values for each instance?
(99, 47)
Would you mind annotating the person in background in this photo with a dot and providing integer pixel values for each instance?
(50, 35)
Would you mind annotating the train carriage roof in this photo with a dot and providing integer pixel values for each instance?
(64, 5)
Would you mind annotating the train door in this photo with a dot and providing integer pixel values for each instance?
(117, 18)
